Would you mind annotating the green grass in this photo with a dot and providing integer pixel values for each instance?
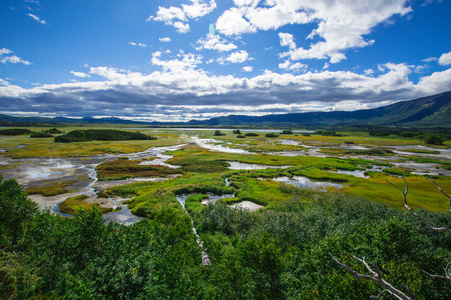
(204, 171)
(51, 189)
(73, 204)
(124, 168)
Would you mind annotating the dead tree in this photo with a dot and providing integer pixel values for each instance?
(376, 275)
(436, 229)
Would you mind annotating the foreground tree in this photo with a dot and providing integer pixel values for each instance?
(375, 273)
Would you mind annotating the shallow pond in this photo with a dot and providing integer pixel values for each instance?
(236, 165)
(215, 145)
(305, 183)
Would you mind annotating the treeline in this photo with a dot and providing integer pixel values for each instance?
(427, 137)
(15, 131)
(101, 135)
(33, 134)
(281, 252)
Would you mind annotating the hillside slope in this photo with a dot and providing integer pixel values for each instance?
(427, 111)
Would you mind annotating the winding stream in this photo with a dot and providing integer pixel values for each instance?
(82, 178)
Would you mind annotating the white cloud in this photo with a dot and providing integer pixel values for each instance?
(341, 24)
(287, 65)
(5, 51)
(179, 17)
(37, 19)
(14, 59)
(215, 42)
(287, 39)
(181, 27)
(142, 45)
(182, 91)
(165, 39)
(445, 59)
(237, 57)
(247, 69)
(185, 61)
(232, 23)
(198, 8)
(79, 74)
(4, 82)
(430, 59)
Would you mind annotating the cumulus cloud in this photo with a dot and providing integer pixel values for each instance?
(341, 24)
(235, 57)
(287, 39)
(14, 59)
(232, 23)
(215, 42)
(184, 62)
(3, 82)
(79, 74)
(37, 19)
(180, 16)
(247, 69)
(289, 66)
(165, 39)
(445, 59)
(181, 91)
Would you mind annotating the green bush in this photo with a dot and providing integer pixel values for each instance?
(40, 135)
(251, 134)
(101, 135)
(434, 139)
(15, 131)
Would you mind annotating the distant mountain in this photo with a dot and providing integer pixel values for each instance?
(6, 120)
(431, 111)
(423, 112)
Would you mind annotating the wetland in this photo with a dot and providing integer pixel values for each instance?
(220, 210)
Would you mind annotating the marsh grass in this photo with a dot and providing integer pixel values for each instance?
(51, 189)
(73, 204)
(124, 168)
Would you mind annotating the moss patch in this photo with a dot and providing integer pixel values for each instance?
(51, 189)
(73, 204)
(124, 168)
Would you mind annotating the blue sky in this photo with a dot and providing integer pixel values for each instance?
(168, 60)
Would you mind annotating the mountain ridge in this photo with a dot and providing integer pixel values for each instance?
(430, 111)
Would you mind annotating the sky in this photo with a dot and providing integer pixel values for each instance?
(168, 60)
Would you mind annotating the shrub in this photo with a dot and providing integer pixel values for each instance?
(251, 134)
(101, 135)
(434, 139)
(40, 135)
(219, 133)
(272, 135)
(15, 131)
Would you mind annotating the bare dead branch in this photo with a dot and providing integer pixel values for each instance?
(376, 277)
(436, 229)
(446, 195)
(380, 295)
(405, 191)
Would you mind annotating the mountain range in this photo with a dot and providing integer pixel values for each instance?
(431, 111)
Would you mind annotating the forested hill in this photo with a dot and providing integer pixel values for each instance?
(427, 111)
